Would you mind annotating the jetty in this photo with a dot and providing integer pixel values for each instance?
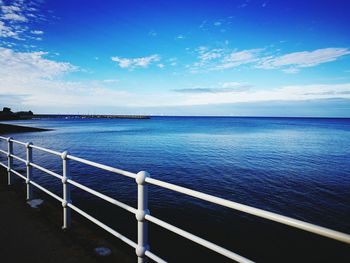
(142, 214)
(89, 116)
(7, 114)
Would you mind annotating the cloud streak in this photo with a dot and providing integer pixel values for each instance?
(227, 87)
(302, 59)
(223, 58)
(284, 93)
(142, 62)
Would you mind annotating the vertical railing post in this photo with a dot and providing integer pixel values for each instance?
(66, 191)
(9, 160)
(29, 169)
(142, 211)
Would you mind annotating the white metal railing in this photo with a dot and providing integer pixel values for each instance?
(142, 213)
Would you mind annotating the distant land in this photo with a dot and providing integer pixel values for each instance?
(7, 114)
(7, 128)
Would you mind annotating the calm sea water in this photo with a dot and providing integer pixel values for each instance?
(298, 167)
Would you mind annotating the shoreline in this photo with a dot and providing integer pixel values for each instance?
(10, 128)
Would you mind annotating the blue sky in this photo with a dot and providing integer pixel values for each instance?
(257, 57)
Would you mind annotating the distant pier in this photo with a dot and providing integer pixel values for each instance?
(90, 116)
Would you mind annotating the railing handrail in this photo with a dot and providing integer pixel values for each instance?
(142, 213)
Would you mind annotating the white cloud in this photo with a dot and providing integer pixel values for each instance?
(235, 59)
(37, 81)
(37, 32)
(132, 63)
(6, 31)
(180, 37)
(41, 84)
(224, 58)
(31, 64)
(123, 62)
(13, 12)
(218, 23)
(14, 17)
(10, 9)
(285, 93)
(303, 59)
(62, 94)
(160, 65)
(110, 80)
(226, 87)
(210, 55)
(220, 58)
(234, 85)
(291, 70)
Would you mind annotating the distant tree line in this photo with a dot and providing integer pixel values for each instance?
(7, 114)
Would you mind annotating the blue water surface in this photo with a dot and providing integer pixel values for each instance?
(298, 167)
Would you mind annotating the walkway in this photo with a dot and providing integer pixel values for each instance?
(27, 236)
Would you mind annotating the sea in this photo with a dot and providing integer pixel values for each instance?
(298, 167)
